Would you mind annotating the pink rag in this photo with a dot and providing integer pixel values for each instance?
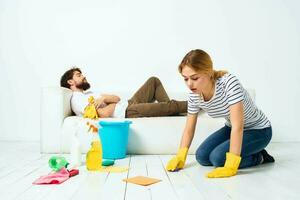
(53, 178)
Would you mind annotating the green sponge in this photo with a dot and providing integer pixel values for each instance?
(108, 162)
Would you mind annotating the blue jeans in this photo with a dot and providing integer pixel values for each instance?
(212, 152)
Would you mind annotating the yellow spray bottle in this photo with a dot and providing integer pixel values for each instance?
(94, 155)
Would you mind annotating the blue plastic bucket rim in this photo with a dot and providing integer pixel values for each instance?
(114, 123)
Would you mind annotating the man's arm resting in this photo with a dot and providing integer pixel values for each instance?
(105, 100)
(110, 98)
(107, 111)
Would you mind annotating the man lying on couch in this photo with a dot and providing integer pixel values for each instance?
(151, 100)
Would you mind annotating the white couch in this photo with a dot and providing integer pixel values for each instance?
(154, 135)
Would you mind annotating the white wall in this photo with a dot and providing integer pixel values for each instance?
(118, 44)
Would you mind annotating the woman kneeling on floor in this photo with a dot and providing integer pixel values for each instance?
(247, 131)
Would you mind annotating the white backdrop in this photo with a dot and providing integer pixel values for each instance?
(118, 44)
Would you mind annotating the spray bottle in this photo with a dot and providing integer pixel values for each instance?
(75, 150)
(94, 155)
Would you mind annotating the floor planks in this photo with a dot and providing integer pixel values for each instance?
(21, 163)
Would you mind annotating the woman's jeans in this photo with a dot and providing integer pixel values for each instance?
(213, 150)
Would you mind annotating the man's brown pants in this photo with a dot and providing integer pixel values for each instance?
(143, 104)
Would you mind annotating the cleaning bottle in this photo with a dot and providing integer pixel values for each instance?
(75, 149)
(57, 162)
(75, 152)
(94, 156)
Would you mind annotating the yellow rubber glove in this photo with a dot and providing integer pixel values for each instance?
(90, 110)
(230, 168)
(178, 161)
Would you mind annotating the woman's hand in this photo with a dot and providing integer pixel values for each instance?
(178, 161)
(230, 168)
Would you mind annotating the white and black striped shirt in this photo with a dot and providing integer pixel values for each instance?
(229, 91)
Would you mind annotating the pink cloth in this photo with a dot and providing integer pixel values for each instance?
(53, 178)
(73, 172)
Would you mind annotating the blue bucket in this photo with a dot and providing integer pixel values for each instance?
(114, 138)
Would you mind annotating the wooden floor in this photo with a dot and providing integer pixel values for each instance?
(21, 163)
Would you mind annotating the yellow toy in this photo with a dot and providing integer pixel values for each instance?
(90, 110)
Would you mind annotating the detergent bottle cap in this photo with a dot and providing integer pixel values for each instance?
(56, 163)
(96, 144)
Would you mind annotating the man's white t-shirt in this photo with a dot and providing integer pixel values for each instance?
(79, 101)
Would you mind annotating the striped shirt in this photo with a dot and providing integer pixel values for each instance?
(229, 91)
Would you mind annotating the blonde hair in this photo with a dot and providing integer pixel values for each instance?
(200, 61)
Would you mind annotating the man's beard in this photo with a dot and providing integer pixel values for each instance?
(84, 85)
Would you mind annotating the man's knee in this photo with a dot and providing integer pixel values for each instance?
(154, 79)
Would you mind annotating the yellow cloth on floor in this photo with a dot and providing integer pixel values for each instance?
(113, 169)
(90, 110)
(178, 161)
(142, 180)
(230, 168)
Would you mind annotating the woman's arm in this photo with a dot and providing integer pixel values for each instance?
(233, 157)
(237, 127)
(107, 111)
(178, 161)
(189, 130)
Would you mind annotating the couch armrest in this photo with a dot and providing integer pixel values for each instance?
(55, 107)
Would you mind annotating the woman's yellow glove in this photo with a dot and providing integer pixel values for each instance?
(90, 110)
(230, 168)
(178, 161)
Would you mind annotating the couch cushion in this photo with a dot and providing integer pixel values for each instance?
(155, 135)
